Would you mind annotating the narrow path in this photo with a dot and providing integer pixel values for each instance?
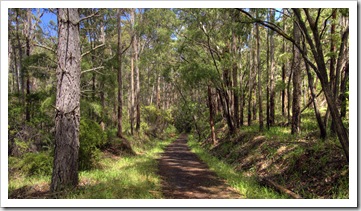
(185, 176)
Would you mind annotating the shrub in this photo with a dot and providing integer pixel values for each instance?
(36, 164)
(91, 138)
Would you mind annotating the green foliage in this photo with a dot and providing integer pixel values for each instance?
(33, 164)
(91, 138)
(157, 119)
(183, 119)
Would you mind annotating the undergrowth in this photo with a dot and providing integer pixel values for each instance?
(247, 187)
(116, 177)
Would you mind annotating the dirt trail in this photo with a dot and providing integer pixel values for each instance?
(185, 176)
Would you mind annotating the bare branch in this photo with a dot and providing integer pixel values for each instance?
(130, 43)
(45, 47)
(325, 26)
(93, 49)
(93, 69)
(89, 16)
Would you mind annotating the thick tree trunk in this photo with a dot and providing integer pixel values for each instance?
(296, 102)
(67, 119)
(119, 76)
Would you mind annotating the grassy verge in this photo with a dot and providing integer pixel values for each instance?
(247, 186)
(116, 178)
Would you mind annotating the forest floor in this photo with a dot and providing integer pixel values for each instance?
(185, 176)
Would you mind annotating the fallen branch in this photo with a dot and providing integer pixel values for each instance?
(279, 188)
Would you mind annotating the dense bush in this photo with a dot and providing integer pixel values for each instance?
(32, 164)
(157, 119)
(91, 138)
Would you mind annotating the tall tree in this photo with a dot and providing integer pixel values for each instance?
(296, 82)
(272, 72)
(259, 93)
(119, 75)
(67, 118)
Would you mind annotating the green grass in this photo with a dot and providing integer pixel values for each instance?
(117, 178)
(248, 187)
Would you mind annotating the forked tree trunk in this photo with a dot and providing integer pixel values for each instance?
(67, 119)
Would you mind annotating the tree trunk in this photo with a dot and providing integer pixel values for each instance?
(272, 73)
(20, 50)
(343, 91)
(211, 112)
(283, 106)
(296, 102)
(333, 80)
(250, 84)
(317, 51)
(137, 82)
(67, 119)
(132, 67)
(235, 82)
(321, 126)
(260, 112)
(119, 76)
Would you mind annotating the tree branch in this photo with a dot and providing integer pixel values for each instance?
(89, 16)
(45, 47)
(93, 69)
(279, 31)
(93, 49)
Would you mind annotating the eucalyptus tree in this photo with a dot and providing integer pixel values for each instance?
(67, 118)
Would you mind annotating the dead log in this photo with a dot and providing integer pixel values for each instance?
(280, 188)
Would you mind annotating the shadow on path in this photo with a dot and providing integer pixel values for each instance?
(185, 176)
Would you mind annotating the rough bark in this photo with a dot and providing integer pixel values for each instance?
(296, 81)
(67, 119)
(119, 76)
